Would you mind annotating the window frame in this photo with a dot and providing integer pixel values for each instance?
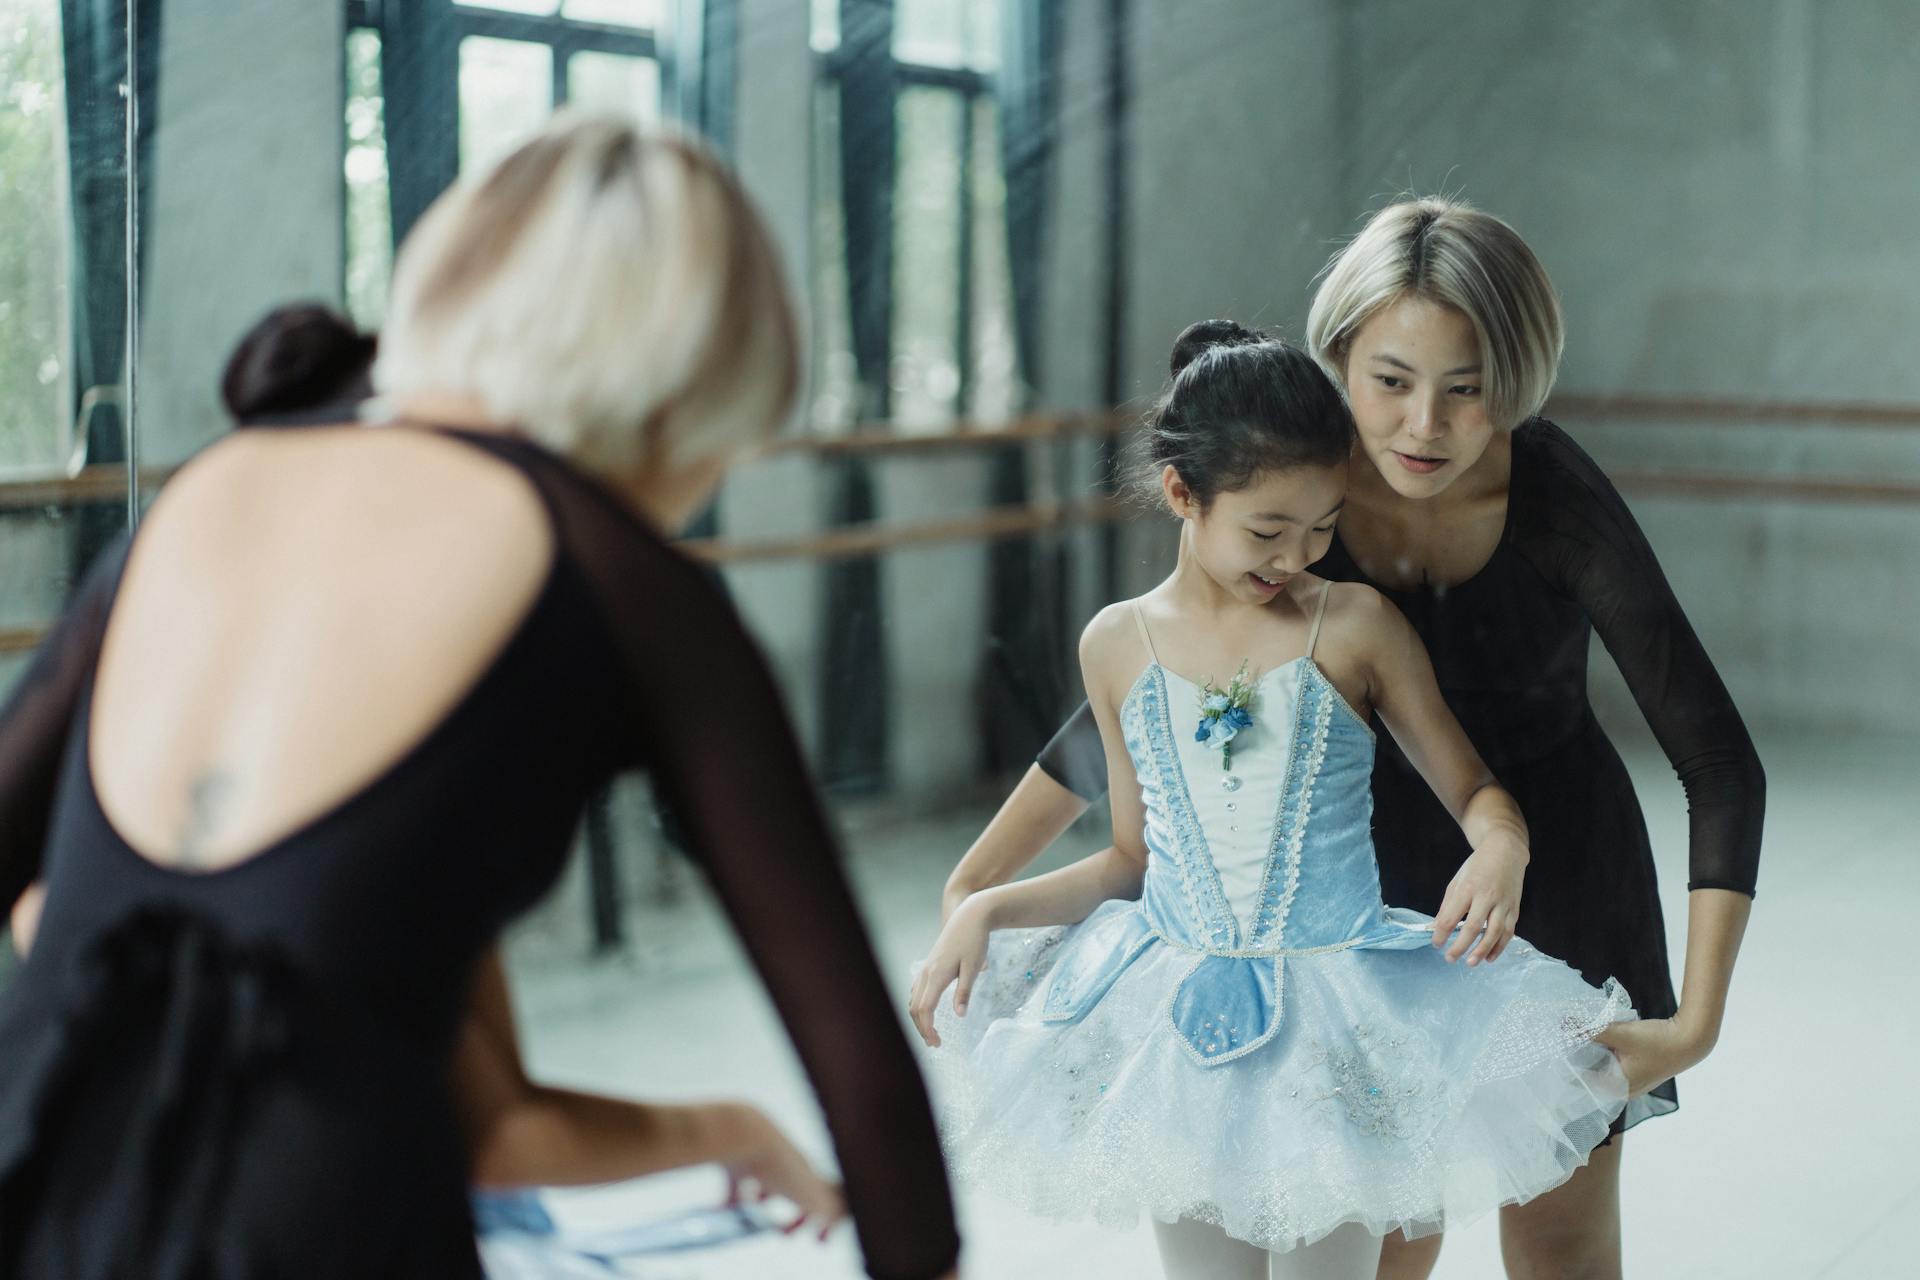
(421, 110)
(74, 403)
(564, 36)
(972, 85)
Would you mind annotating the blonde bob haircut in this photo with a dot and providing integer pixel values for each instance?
(607, 289)
(1448, 252)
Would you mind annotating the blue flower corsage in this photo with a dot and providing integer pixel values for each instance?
(1225, 714)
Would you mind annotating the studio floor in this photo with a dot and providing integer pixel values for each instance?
(1790, 1156)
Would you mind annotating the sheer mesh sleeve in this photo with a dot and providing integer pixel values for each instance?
(1074, 757)
(710, 725)
(36, 719)
(1578, 532)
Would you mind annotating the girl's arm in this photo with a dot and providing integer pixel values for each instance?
(1485, 892)
(1070, 894)
(1066, 896)
(1037, 813)
(524, 1134)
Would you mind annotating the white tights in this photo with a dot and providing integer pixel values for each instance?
(1196, 1251)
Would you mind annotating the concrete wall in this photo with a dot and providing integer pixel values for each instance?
(781, 497)
(246, 203)
(1723, 193)
(1725, 204)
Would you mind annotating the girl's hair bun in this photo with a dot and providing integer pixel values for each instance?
(299, 357)
(1203, 336)
(1240, 403)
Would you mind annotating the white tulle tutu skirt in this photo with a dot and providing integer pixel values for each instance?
(1400, 1091)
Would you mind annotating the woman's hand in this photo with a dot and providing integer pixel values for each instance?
(1485, 894)
(769, 1165)
(958, 955)
(1654, 1050)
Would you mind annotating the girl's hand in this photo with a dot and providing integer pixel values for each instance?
(771, 1166)
(1653, 1050)
(950, 899)
(1485, 894)
(958, 955)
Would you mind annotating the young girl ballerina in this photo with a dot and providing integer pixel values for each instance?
(1235, 1034)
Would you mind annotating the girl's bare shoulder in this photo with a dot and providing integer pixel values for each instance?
(1360, 620)
(1114, 628)
(1112, 652)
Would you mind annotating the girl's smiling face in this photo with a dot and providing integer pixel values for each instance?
(1414, 380)
(1253, 540)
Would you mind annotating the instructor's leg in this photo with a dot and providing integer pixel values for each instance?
(1573, 1231)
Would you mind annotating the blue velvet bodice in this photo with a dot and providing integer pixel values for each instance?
(1318, 887)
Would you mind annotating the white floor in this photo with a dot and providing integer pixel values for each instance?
(1791, 1156)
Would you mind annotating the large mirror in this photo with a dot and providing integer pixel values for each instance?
(997, 215)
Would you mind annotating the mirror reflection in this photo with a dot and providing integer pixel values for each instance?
(1095, 636)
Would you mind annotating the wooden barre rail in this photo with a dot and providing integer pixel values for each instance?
(1576, 405)
(106, 482)
(99, 482)
(996, 524)
(991, 525)
(1709, 485)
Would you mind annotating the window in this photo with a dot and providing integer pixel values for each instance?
(514, 62)
(369, 211)
(950, 321)
(36, 395)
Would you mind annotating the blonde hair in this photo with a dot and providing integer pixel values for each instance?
(608, 289)
(1448, 252)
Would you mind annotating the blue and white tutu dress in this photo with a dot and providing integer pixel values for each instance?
(1259, 1042)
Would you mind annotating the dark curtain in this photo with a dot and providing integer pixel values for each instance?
(856, 694)
(94, 50)
(420, 77)
(705, 58)
(1119, 239)
(1025, 679)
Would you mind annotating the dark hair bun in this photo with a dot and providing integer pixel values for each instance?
(300, 357)
(1204, 335)
(1240, 403)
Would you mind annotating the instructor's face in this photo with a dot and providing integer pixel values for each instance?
(1415, 382)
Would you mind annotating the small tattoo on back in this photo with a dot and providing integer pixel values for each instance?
(206, 807)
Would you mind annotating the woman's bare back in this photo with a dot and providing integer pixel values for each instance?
(299, 610)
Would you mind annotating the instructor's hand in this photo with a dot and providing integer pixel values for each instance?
(1654, 1050)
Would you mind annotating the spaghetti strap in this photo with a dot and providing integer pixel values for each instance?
(1319, 616)
(1140, 619)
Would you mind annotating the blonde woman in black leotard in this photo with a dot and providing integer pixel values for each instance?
(306, 364)
(290, 763)
(1507, 548)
